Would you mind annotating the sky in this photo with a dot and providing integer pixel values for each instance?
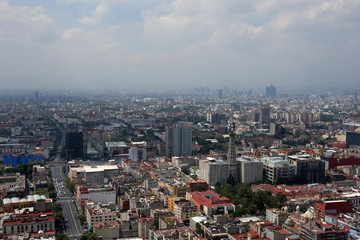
(177, 44)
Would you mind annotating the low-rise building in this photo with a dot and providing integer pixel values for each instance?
(97, 214)
(39, 203)
(185, 210)
(276, 216)
(210, 202)
(13, 182)
(107, 230)
(96, 194)
(29, 223)
(332, 207)
(317, 230)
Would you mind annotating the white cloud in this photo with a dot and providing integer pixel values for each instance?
(182, 41)
(22, 24)
(101, 11)
(66, 2)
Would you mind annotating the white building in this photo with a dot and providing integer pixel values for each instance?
(276, 169)
(251, 171)
(137, 153)
(104, 194)
(98, 215)
(213, 171)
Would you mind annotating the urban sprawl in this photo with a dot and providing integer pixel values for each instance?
(203, 164)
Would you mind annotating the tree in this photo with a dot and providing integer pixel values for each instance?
(61, 236)
(52, 194)
(56, 208)
(185, 170)
(230, 180)
(41, 191)
(195, 177)
(81, 218)
(51, 187)
(89, 236)
(70, 185)
(200, 188)
(249, 202)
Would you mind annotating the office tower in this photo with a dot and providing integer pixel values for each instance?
(194, 118)
(264, 116)
(220, 93)
(270, 91)
(231, 157)
(215, 117)
(353, 138)
(255, 116)
(310, 171)
(274, 129)
(74, 145)
(178, 141)
(137, 153)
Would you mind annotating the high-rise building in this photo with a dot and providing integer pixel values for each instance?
(274, 129)
(251, 171)
(308, 170)
(137, 153)
(264, 116)
(213, 171)
(178, 141)
(270, 91)
(353, 138)
(220, 93)
(215, 117)
(255, 116)
(74, 145)
(277, 170)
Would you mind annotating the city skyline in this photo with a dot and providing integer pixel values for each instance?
(152, 44)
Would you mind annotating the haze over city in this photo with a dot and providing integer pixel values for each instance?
(132, 44)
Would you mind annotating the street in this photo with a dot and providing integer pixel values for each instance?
(72, 226)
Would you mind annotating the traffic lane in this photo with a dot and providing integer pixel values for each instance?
(69, 221)
(69, 212)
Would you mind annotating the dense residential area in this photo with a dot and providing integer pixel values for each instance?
(217, 164)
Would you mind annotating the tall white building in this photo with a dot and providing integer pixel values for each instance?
(213, 171)
(251, 171)
(137, 153)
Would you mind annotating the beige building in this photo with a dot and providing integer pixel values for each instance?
(98, 215)
(185, 210)
(107, 230)
(214, 171)
(29, 223)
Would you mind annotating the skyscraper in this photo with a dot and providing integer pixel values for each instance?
(74, 144)
(270, 91)
(220, 93)
(264, 116)
(178, 141)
